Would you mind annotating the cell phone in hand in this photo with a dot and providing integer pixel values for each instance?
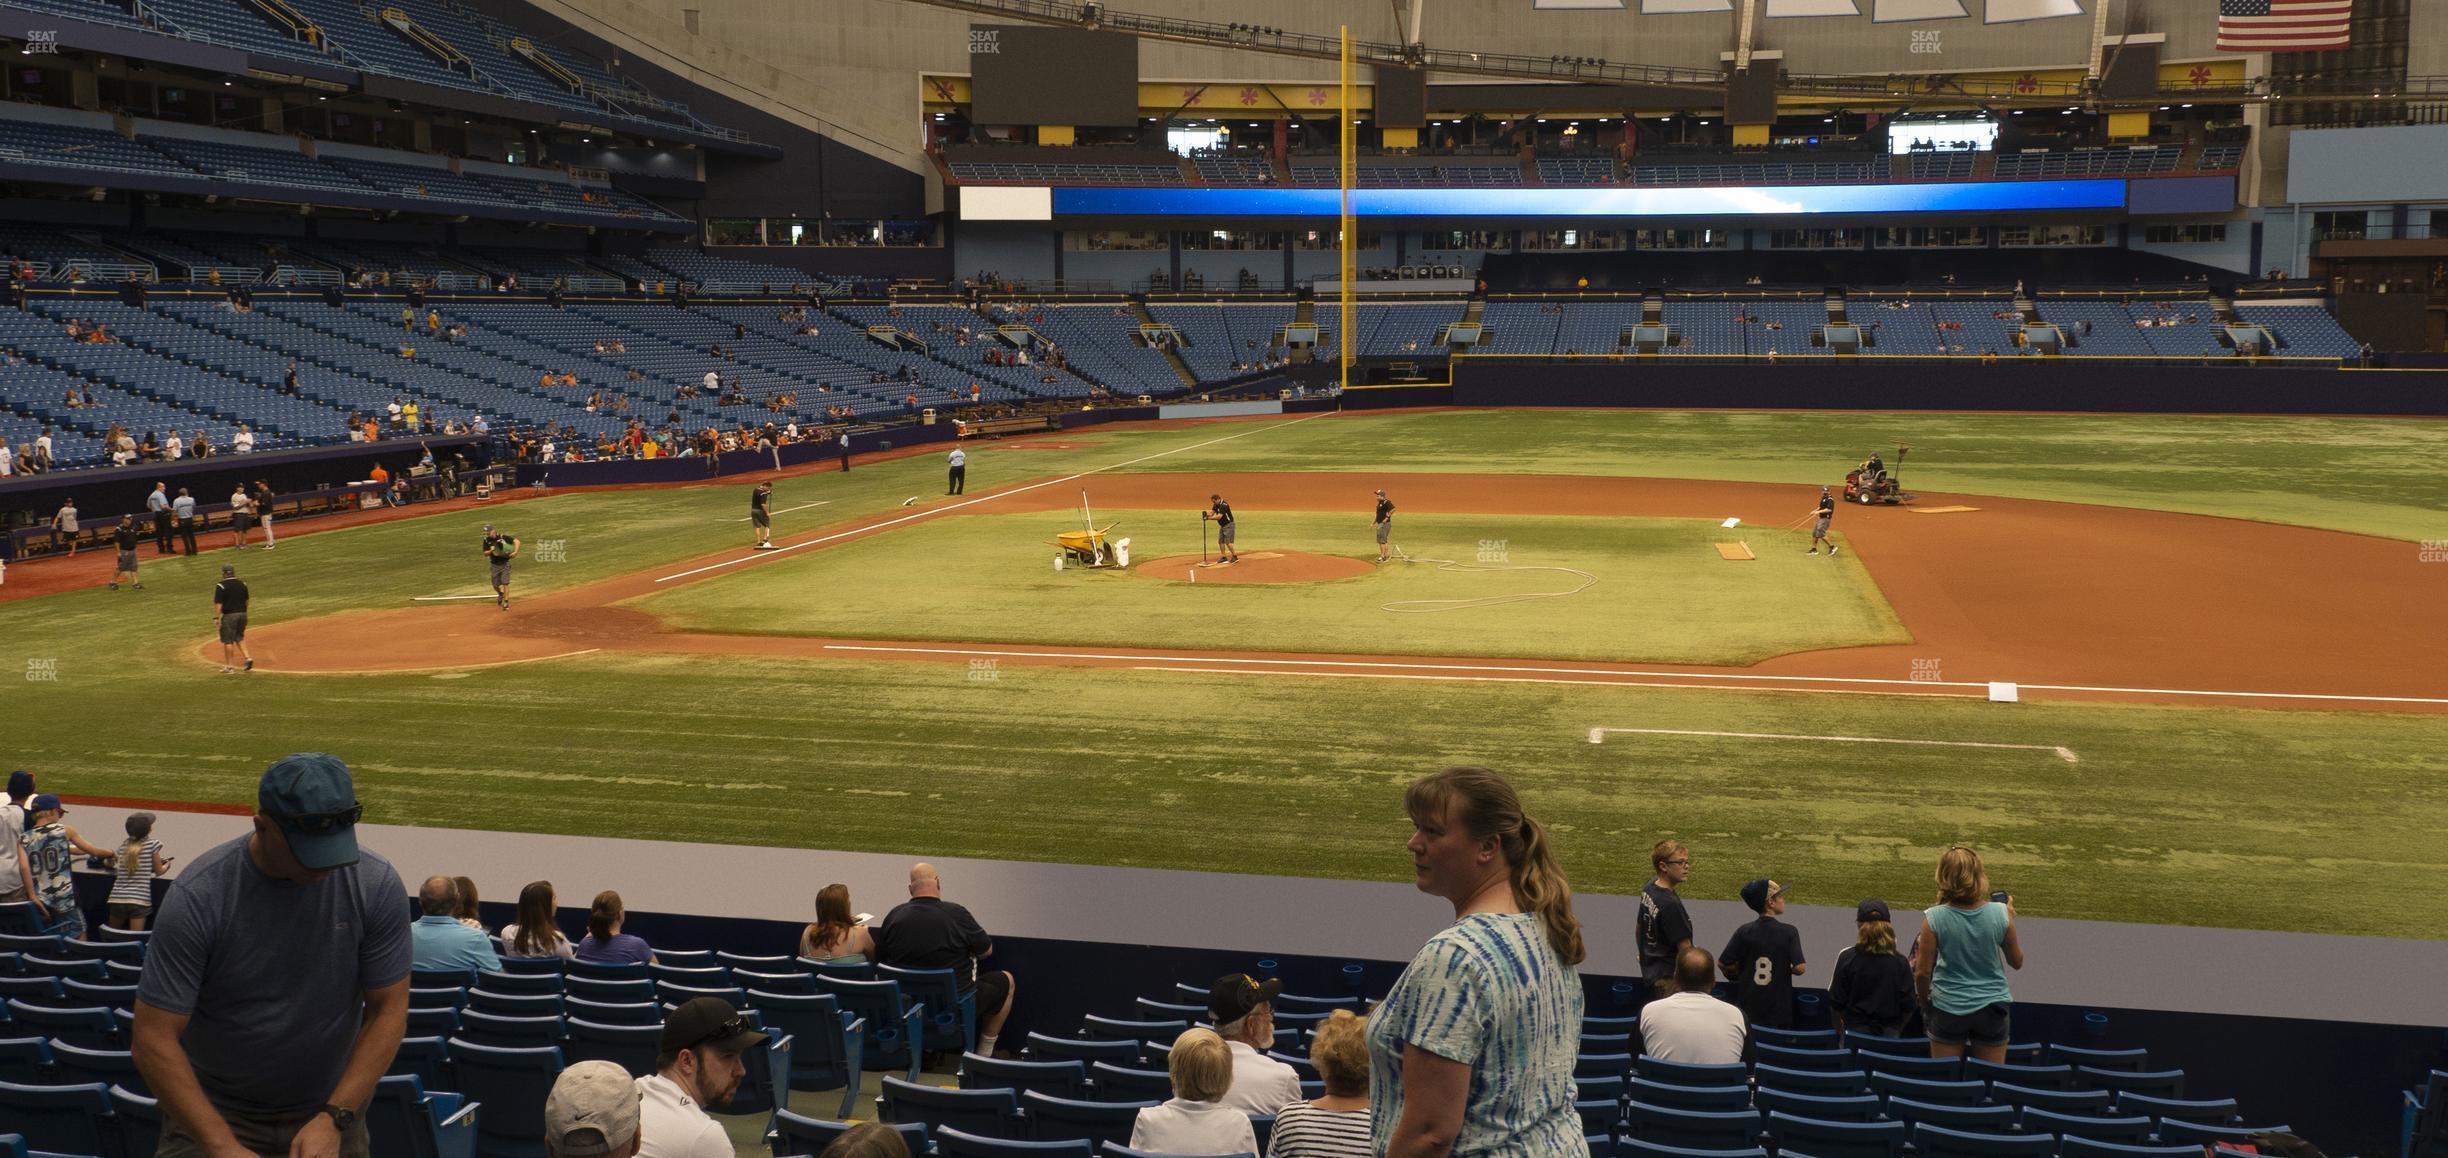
(865, 918)
(1998, 896)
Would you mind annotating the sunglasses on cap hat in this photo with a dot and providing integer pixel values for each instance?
(724, 1032)
(318, 823)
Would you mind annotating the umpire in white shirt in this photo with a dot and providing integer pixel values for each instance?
(1243, 1009)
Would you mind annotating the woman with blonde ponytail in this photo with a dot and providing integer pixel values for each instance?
(1473, 1050)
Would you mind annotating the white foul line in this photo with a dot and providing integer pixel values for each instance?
(1598, 736)
(1248, 662)
(443, 598)
(1387, 675)
(766, 555)
(787, 510)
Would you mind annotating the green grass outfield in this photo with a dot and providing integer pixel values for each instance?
(1663, 595)
(2310, 821)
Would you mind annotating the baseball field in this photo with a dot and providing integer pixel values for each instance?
(2224, 633)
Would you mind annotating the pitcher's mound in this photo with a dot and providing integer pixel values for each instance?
(1259, 567)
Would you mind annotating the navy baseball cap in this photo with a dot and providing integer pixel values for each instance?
(45, 803)
(1872, 909)
(310, 796)
(1757, 894)
(21, 782)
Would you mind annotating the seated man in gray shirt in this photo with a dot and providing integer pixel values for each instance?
(275, 990)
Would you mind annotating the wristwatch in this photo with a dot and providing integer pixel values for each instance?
(341, 1116)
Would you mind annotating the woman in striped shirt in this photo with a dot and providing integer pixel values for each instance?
(140, 858)
(1337, 1125)
(1473, 1050)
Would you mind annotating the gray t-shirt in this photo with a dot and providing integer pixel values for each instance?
(273, 975)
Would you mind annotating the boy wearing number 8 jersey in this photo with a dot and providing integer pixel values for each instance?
(1763, 958)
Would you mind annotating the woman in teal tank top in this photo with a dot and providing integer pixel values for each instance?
(1960, 963)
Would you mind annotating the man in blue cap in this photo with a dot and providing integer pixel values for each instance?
(275, 990)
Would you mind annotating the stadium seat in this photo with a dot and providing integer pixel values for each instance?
(893, 1028)
(1630, 1147)
(427, 1059)
(1118, 1150)
(1795, 1058)
(513, 1004)
(1150, 1009)
(1296, 1003)
(514, 981)
(533, 966)
(1040, 1047)
(1938, 1093)
(437, 997)
(1927, 1069)
(92, 1027)
(1692, 1129)
(509, 1032)
(609, 989)
(1600, 1145)
(43, 991)
(441, 979)
(1880, 1043)
(1609, 1088)
(1586, 1065)
(983, 1113)
(827, 1044)
(76, 1064)
(675, 995)
(129, 951)
(64, 1119)
(2209, 1112)
(1096, 1028)
(406, 1121)
(25, 1060)
(140, 1121)
(1608, 1043)
(2062, 1101)
(1814, 1039)
(1676, 1097)
(951, 1143)
(774, 963)
(2056, 1077)
(2132, 1060)
(1599, 1115)
(2128, 1130)
(1811, 1081)
(1681, 1074)
(1978, 1119)
(1935, 1141)
(511, 1085)
(1062, 1119)
(951, 1021)
(605, 971)
(796, 1134)
(614, 1012)
(631, 1047)
(2073, 1147)
(766, 1086)
(2174, 1131)
(791, 981)
(18, 919)
(1061, 1079)
(80, 968)
(1835, 1139)
(707, 976)
(1125, 1084)
(113, 996)
(862, 972)
(31, 939)
(1825, 1107)
(2157, 1084)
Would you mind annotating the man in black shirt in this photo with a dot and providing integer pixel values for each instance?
(1663, 927)
(760, 514)
(929, 932)
(126, 538)
(1221, 512)
(230, 617)
(1763, 958)
(1385, 523)
(1819, 529)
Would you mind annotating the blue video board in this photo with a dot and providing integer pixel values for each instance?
(1752, 201)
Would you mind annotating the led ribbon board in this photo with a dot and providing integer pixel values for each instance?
(1756, 201)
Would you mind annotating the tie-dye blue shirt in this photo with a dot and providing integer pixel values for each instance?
(1490, 993)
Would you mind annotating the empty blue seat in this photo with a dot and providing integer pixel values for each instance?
(605, 970)
(983, 1113)
(92, 1027)
(47, 992)
(1928, 1069)
(1126, 1084)
(1609, 1088)
(1811, 1081)
(514, 981)
(113, 996)
(140, 1121)
(1609, 1043)
(676, 995)
(709, 976)
(32, 939)
(766, 1086)
(1598, 1065)
(1630, 1147)
(1683, 1074)
(1061, 1079)
(427, 1059)
(1796, 1058)
(893, 1026)
(406, 1121)
(1096, 1028)
(513, 1032)
(860, 972)
(513, 1004)
(18, 919)
(441, 978)
(1825, 1107)
(2129, 1130)
(951, 1021)
(1979, 1119)
(1821, 1139)
(2056, 1077)
(511, 1085)
(129, 951)
(613, 1012)
(76, 1064)
(793, 981)
(1688, 1097)
(437, 997)
(81, 968)
(1692, 1129)
(2155, 1083)
(2072, 1147)
(1041, 1047)
(951, 1143)
(1149, 1009)
(623, 990)
(1934, 1141)
(1064, 1119)
(1940, 1093)
(2209, 1111)
(1797, 1038)
(25, 1060)
(761, 963)
(2062, 1101)
(686, 958)
(1880, 1043)
(631, 1047)
(432, 1022)
(533, 966)
(66, 1119)
(793, 1134)
(1599, 1116)
(826, 1046)
(2174, 1131)
(2133, 1060)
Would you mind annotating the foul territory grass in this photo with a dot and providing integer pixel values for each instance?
(1662, 593)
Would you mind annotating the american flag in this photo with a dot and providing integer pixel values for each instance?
(2282, 25)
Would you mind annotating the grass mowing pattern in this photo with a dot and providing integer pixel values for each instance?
(2276, 820)
(1663, 594)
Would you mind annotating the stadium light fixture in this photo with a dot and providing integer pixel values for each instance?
(2188, 106)
(2163, 108)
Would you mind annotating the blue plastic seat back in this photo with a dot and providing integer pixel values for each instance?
(1061, 1079)
(1924, 1068)
(1826, 1039)
(1801, 1058)
(879, 1004)
(514, 1004)
(990, 1113)
(427, 1059)
(1682, 1074)
(1063, 1119)
(790, 981)
(1825, 1107)
(519, 981)
(1127, 1084)
(66, 1119)
(631, 1047)
(2130, 1130)
(2208, 1112)
(608, 989)
(1835, 1139)
(511, 1085)
(2092, 1102)
(2154, 1083)
(951, 1021)
(1676, 1097)
(2131, 1060)
(614, 1012)
(1935, 1141)
(140, 1121)
(92, 1026)
(1811, 1081)
(1631, 1147)
(2174, 1131)
(1944, 1093)
(2071, 1146)
(2050, 1077)
(77, 1065)
(1042, 1047)
(496, 1029)
(1692, 1129)
(952, 1143)
(1980, 1119)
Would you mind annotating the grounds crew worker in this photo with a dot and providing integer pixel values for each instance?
(1825, 514)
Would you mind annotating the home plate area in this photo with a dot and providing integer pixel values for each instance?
(1257, 567)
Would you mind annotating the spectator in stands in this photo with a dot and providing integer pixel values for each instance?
(868, 1140)
(275, 987)
(1763, 957)
(1663, 928)
(1872, 988)
(201, 445)
(1335, 1125)
(441, 942)
(1960, 961)
(699, 1066)
(604, 941)
(929, 932)
(1690, 1025)
(837, 937)
(137, 861)
(535, 934)
(592, 1112)
(49, 845)
(16, 811)
(16, 870)
(1196, 1120)
(1473, 1048)
(1243, 1010)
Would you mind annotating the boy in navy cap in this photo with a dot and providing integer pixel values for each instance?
(1763, 958)
(275, 989)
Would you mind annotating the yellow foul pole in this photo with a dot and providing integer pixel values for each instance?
(1347, 158)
